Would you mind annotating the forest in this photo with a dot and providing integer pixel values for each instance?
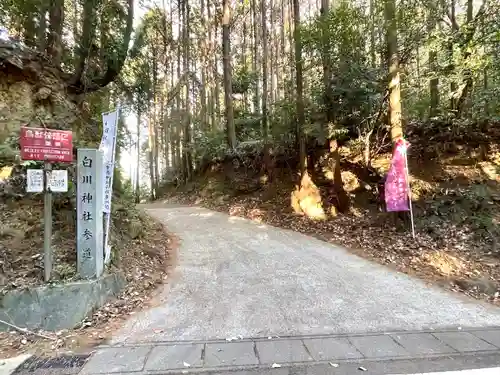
(282, 111)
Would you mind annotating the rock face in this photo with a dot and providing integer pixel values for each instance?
(31, 92)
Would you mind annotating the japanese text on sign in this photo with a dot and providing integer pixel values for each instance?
(58, 181)
(46, 144)
(34, 180)
(89, 213)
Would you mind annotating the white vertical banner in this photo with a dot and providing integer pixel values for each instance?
(108, 148)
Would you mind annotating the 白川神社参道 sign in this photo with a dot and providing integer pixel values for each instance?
(46, 144)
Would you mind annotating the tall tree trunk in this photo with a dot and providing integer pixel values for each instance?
(265, 95)
(187, 115)
(265, 57)
(211, 62)
(373, 45)
(434, 81)
(204, 69)
(216, 59)
(453, 84)
(56, 22)
(151, 155)
(255, 54)
(330, 120)
(226, 62)
(177, 125)
(271, 53)
(467, 75)
(291, 46)
(137, 172)
(283, 60)
(300, 119)
(243, 60)
(154, 125)
(394, 83)
(42, 27)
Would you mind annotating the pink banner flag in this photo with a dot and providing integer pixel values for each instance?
(396, 183)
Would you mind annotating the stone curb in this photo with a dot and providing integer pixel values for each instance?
(266, 353)
(8, 366)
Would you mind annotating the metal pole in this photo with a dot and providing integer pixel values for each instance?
(409, 193)
(47, 224)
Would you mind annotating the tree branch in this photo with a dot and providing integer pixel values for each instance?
(114, 66)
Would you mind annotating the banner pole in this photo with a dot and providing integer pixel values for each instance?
(409, 193)
(107, 215)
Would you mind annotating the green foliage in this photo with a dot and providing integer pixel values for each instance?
(209, 146)
(243, 80)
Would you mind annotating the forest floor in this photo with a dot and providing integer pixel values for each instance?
(456, 200)
(144, 253)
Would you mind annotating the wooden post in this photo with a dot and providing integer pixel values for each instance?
(47, 224)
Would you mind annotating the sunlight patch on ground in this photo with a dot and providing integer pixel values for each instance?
(234, 219)
(236, 210)
(204, 214)
(306, 200)
(445, 263)
(256, 215)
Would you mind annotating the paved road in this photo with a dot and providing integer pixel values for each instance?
(239, 278)
(245, 291)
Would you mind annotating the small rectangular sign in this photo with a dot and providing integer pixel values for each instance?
(58, 182)
(50, 145)
(34, 180)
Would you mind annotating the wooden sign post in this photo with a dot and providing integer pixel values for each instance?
(49, 146)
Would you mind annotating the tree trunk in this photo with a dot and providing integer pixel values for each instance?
(226, 62)
(394, 84)
(453, 84)
(216, 59)
(151, 158)
(187, 107)
(255, 59)
(137, 172)
(56, 21)
(467, 80)
(330, 123)
(212, 63)
(434, 81)
(265, 57)
(204, 70)
(300, 116)
(373, 46)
